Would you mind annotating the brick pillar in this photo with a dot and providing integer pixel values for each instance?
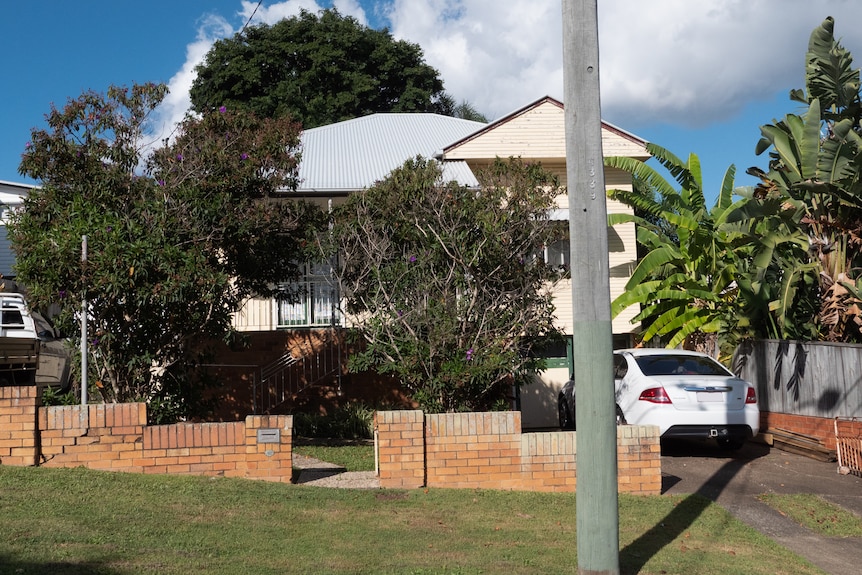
(639, 459)
(400, 448)
(269, 447)
(19, 435)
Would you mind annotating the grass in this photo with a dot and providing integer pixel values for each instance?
(816, 514)
(351, 457)
(75, 521)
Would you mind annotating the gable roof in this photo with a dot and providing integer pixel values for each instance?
(523, 122)
(354, 154)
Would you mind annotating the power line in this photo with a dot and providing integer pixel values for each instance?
(250, 17)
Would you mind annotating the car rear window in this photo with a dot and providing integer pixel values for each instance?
(12, 318)
(679, 365)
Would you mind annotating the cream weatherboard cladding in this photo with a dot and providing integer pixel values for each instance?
(537, 132)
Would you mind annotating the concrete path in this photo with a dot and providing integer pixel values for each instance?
(322, 474)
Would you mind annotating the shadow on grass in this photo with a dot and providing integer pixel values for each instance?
(9, 565)
(635, 555)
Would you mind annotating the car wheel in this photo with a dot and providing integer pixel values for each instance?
(621, 419)
(566, 419)
(730, 443)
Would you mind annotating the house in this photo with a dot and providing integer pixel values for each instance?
(349, 156)
(11, 196)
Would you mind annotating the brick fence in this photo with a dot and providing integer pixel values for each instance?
(459, 450)
(488, 451)
(116, 437)
(822, 428)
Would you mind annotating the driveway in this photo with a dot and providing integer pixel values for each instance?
(735, 479)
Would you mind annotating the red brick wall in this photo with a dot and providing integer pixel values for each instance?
(400, 448)
(823, 428)
(18, 437)
(488, 451)
(115, 437)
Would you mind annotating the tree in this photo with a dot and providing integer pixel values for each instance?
(174, 250)
(316, 69)
(444, 280)
(815, 170)
(686, 281)
(446, 106)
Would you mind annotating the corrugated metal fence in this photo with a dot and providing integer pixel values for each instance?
(803, 378)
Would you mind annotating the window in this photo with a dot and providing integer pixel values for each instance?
(12, 318)
(316, 305)
(556, 352)
(621, 366)
(680, 364)
(557, 254)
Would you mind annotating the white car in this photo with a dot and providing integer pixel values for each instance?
(685, 393)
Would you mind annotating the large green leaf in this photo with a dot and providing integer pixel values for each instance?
(651, 262)
(689, 319)
(725, 193)
(779, 138)
(839, 158)
(635, 295)
(808, 140)
(642, 171)
(829, 72)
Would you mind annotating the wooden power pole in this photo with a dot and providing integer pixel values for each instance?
(597, 500)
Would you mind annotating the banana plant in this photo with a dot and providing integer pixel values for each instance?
(815, 170)
(685, 283)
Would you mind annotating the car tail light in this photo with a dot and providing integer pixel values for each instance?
(750, 396)
(655, 395)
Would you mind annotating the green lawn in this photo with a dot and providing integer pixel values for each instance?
(76, 521)
(816, 514)
(352, 457)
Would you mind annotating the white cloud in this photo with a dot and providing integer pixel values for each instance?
(677, 61)
(272, 13)
(177, 103)
(664, 61)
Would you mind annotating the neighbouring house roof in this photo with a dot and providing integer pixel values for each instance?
(354, 154)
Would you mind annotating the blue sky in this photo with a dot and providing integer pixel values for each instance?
(696, 77)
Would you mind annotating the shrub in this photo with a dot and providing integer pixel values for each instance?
(350, 421)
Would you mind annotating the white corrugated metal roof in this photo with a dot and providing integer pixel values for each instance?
(354, 154)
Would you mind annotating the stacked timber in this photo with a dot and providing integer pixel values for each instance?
(799, 443)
